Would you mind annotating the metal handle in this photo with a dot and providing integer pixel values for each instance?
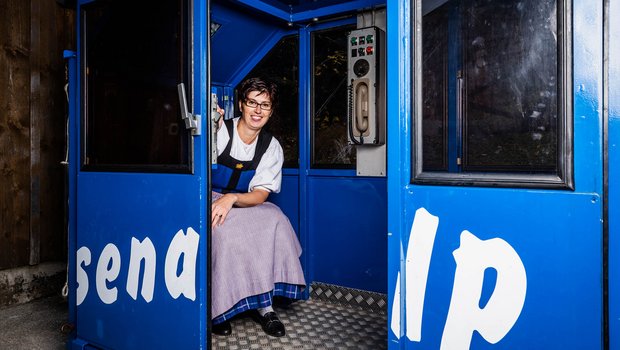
(192, 121)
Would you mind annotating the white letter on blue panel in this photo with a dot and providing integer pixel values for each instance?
(112, 257)
(505, 304)
(185, 283)
(82, 256)
(142, 250)
(419, 251)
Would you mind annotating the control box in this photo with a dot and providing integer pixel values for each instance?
(366, 98)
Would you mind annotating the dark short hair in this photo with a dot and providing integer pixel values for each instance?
(261, 85)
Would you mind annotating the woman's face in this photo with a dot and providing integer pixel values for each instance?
(256, 117)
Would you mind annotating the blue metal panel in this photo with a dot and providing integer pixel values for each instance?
(556, 235)
(268, 9)
(113, 209)
(290, 171)
(239, 44)
(347, 231)
(341, 8)
(256, 57)
(332, 172)
(310, 9)
(613, 92)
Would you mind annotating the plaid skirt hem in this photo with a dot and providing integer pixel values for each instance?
(292, 291)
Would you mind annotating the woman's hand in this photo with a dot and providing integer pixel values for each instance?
(221, 112)
(221, 207)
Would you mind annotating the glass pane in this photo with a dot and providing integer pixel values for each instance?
(281, 65)
(330, 146)
(510, 70)
(133, 64)
(434, 92)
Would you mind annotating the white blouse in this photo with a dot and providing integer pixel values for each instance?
(268, 174)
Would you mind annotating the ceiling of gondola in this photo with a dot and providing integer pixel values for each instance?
(304, 10)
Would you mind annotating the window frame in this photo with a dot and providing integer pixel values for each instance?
(563, 179)
(187, 164)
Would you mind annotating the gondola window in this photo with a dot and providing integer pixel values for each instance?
(132, 65)
(281, 64)
(330, 146)
(493, 93)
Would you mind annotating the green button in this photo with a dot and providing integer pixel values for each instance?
(353, 40)
(369, 38)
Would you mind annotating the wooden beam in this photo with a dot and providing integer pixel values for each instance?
(14, 133)
(35, 131)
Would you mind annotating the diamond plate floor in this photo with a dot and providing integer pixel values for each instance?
(311, 324)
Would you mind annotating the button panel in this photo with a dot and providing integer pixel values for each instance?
(364, 45)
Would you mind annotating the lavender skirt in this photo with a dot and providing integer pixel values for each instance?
(253, 250)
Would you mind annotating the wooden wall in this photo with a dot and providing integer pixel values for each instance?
(33, 35)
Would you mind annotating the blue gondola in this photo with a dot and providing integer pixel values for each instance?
(458, 159)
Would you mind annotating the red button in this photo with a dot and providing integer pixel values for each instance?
(369, 50)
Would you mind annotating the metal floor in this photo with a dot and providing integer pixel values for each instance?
(333, 318)
(317, 323)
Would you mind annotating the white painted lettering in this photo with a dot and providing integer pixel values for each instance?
(82, 256)
(144, 250)
(505, 304)
(110, 256)
(395, 322)
(184, 283)
(419, 251)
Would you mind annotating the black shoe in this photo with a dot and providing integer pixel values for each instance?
(283, 302)
(271, 324)
(223, 328)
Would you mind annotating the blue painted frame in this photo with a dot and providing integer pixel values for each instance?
(398, 167)
(308, 15)
(304, 134)
(612, 95)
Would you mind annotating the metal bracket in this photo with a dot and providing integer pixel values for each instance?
(215, 118)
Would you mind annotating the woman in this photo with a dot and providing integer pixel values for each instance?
(255, 252)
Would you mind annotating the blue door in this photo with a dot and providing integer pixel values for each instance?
(495, 178)
(140, 249)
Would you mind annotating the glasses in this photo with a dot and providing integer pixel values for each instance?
(265, 106)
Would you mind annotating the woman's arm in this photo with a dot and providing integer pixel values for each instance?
(267, 179)
(221, 207)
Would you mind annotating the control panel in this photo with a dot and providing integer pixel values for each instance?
(366, 98)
